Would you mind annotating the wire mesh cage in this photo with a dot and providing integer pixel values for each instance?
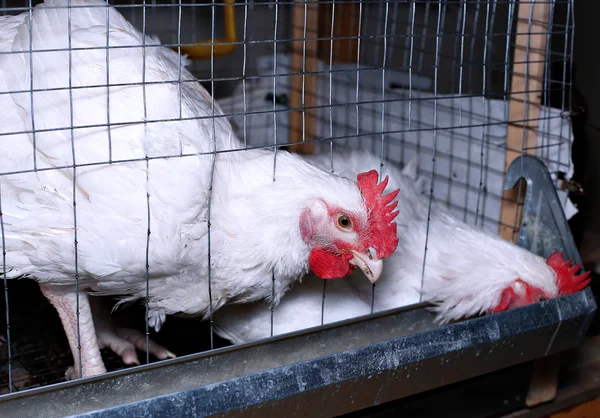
(403, 76)
(458, 89)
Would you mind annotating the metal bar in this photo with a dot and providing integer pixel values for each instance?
(368, 360)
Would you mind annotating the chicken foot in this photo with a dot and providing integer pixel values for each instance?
(83, 342)
(96, 331)
(122, 341)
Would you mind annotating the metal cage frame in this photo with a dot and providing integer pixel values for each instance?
(346, 366)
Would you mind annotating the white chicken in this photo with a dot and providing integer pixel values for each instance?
(468, 271)
(123, 210)
(250, 322)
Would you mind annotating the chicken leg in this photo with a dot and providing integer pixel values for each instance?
(83, 343)
(96, 331)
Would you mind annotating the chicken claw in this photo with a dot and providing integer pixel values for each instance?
(123, 341)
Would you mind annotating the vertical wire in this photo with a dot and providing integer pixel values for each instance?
(379, 20)
(331, 35)
(382, 149)
(569, 30)
(148, 232)
(462, 59)
(180, 70)
(304, 74)
(394, 47)
(407, 63)
(564, 84)
(393, 29)
(433, 157)
(451, 106)
(72, 134)
(272, 299)
(174, 18)
(407, 37)
(410, 61)
(5, 280)
(473, 39)
(569, 34)
(275, 89)
(372, 107)
(455, 49)
(212, 171)
(458, 50)
(33, 132)
(275, 140)
(383, 73)
(194, 14)
(244, 75)
(443, 21)
(358, 52)
(345, 118)
(471, 91)
(405, 66)
(506, 96)
(424, 36)
(108, 127)
(487, 157)
(510, 17)
(546, 137)
(483, 103)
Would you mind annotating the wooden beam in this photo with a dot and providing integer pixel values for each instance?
(589, 409)
(303, 91)
(525, 96)
(579, 384)
(544, 381)
(346, 22)
(524, 109)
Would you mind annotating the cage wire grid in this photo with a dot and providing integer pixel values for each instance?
(430, 80)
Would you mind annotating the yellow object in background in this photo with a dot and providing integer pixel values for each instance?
(202, 50)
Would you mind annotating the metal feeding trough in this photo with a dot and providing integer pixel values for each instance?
(345, 366)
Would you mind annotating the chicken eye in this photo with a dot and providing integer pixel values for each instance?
(344, 222)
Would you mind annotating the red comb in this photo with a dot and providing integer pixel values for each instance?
(381, 214)
(567, 281)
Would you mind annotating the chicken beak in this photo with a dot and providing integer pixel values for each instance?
(369, 265)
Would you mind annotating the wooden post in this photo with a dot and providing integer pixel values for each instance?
(346, 22)
(525, 96)
(303, 91)
(318, 25)
(544, 380)
(524, 109)
(589, 409)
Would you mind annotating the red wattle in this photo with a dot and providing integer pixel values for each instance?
(327, 265)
